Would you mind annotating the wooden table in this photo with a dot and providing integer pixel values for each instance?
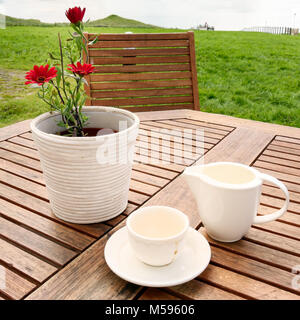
(43, 257)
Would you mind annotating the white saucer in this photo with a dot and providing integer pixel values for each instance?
(193, 260)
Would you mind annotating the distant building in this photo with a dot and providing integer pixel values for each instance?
(205, 26)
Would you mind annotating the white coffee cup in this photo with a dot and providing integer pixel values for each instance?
(157, 234)
(228, 195)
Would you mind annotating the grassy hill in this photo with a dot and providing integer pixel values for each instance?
(10, 21)
(112, 21)
(117, 21)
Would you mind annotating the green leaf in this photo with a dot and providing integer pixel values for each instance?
(52, 57)
(61, 124)
(93, 41)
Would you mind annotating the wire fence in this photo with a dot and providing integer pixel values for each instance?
(274, 30)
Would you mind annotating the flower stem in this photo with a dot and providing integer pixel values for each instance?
(58, 91)
(62, 65)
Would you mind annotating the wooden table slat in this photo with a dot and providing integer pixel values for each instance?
(22, 171)
(20, 159)
(253, 268)
(288, 139)
(179, 125)
(176, 140)
(205, 124)
(289, 145)
(155, 293)
(246, 286)
(23, 142)
(200, 290)
(285, 151)
(274, 241)
(24, 262)
(257, 252)
(42, 225)
(16, 148)
(16, 286)
(39, 245)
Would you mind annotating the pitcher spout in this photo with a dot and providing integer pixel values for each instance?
(193, 177)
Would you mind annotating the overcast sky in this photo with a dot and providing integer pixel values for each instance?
(223, 14)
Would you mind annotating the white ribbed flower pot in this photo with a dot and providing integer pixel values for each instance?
(87, 178)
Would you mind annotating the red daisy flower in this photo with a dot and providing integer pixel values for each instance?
(40, 75)
(75, 15)
(81, 70)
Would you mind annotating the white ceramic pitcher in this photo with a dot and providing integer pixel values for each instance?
(229, 208)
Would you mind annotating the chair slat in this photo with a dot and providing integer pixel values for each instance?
(138, 52)
(140, 76)
(141, 84)
(152, 107)
(142, 93)
(143, 68)
(139, 60)
(140, 44)
(142, 101)
(139, 36)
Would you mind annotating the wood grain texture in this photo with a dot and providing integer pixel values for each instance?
(138, 36)
(16, 287)
(140, 76)
(275, 129)
(142, 101)
(143, 84)
(139, 62)
(194, 70)
(22, 171)
(199, 290)
(14, 129)
(274, 241)
(24, 262)
(139, 52)
(139, 43)
(157, 294)
(142, 93)
(42, 207)
(257, 252)
(86, 277)
(143, 68)
(243, 285)
(44, 248)
(50, 229)
(253, 268)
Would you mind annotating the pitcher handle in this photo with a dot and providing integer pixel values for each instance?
(274, 215)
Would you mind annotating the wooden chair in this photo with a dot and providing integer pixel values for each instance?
(143, 72)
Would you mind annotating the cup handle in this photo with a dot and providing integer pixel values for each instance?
(275, 215)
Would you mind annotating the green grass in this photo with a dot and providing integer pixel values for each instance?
(248, 75)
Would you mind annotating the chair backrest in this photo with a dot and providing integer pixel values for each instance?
(143, 72)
